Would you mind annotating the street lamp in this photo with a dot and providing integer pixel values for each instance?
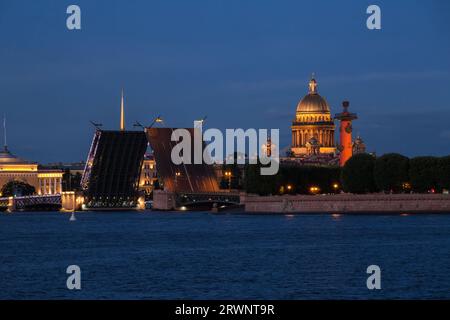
(335, 187)
(177, 174)
(228, 174)
(314, 189)
(158, 119)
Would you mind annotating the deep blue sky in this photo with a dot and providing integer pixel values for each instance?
(244, 63)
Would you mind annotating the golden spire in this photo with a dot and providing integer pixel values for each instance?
(122, 114)
(312, 84)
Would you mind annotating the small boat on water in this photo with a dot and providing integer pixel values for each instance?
(72, 217)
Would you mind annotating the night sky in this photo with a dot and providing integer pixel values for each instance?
(243, 63)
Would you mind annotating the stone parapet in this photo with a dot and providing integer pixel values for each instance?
(349, 203)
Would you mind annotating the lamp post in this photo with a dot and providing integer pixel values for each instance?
(158, 119)
(228, 174)
(289, 188)
(335, 187)
(177, 174)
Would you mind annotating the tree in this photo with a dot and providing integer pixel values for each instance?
(70, 181)
(292, 180)
(444, 173)
(17, 188)
(391, 172)
(423, 172)
(259, 184)
(235, 178)
(358, 174)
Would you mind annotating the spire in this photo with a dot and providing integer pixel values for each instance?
(122, 114)
(4, 133)
(313, 84)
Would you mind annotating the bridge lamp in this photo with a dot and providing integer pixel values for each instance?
(177, 174)
(314, 189)
(228, 174)
(158, 119)
(335, 187)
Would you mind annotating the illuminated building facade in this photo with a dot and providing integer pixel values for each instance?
(13, 168)
(313, 132)
(148, 175)
(313, 126)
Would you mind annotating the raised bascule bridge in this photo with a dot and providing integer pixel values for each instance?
(111, 177)
(186, 186)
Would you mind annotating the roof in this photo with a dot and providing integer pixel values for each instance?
(6, 157)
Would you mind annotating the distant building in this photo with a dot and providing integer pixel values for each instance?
(72, 167)
(13, 168)
(313, 126)
(148, 175)
(359, 146)
(313, 133)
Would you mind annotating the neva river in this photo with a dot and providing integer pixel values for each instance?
(205, 256)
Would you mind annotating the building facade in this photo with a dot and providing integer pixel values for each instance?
(313, 127)
(148, 175)
(13, 168)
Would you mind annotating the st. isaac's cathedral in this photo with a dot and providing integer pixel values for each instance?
(313, 131)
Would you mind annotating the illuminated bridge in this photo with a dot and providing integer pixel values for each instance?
(199, 199)
(31, 203)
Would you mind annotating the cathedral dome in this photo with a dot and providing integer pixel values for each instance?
(313, 102)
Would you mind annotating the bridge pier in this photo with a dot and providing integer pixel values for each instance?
(11, 204)
(71, 201)
(163, 200)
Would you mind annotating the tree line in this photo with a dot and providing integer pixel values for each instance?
(362, 173)
(395, 173)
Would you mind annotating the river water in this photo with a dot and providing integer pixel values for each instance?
(125, 255)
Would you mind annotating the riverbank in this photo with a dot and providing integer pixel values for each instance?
(348, 203)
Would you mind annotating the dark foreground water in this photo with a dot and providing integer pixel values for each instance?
(204, 256)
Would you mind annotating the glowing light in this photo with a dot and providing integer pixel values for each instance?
(314, 189)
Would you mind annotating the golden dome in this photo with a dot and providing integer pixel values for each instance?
(313, 102)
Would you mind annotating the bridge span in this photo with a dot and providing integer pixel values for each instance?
(168, 200)
(65, 201)
(31, 203)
